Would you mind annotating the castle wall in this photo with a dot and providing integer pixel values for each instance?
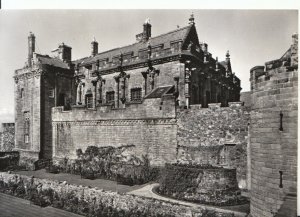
(273, 150)
(7, 137)
(216, 136)
(152, 129)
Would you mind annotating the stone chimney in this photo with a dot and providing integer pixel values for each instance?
(147, 29)
(64, 52)
(94, 46)
(146, 34)
(31, 48)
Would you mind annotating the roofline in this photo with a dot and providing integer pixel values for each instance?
(179, 29)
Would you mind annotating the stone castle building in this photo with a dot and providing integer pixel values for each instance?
(127, 95)
(169, 99)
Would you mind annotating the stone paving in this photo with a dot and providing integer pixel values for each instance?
(16, 207)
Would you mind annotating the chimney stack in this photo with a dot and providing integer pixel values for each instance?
(94, 46)
(31, 47)
(147, 30)
(65, 52)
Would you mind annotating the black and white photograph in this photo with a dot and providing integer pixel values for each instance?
(148, 112)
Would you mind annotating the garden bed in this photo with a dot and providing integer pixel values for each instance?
(107, 163)
(203, 184)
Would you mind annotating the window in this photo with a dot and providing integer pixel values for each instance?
(22, 93)
(175, 46)
(89, 101)
(143, 54)
(51, 93)
(136, 94)
(110, 96)
(26, 127)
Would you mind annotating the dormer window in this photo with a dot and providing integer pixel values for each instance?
(143, 54)
(175, 45)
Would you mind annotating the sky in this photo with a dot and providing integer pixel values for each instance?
(251, 36)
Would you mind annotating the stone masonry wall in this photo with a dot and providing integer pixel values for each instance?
(152, 129)
(61, 85)
(7, 137)
(273, 150)
(216, 135)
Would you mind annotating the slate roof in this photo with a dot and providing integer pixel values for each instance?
(46, 60)
(158, 92)
(165, 39)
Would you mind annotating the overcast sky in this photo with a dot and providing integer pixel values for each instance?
(252, 36)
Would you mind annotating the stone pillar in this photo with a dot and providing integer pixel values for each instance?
(248, 175)
(82, 101)
(152, 72)
(187, 87)
(117, 79)
(145, 74)
(95, 93)
(78, 94)
(102, 81)
(123, 86)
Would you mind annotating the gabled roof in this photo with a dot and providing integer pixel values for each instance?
(179, 34)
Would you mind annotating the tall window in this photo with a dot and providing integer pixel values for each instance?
(136, 94)
(22, 93)
(110, 96)
(89, 101)
(51, 93)
(26, 127)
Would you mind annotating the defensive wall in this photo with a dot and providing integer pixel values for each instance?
(166, 134)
